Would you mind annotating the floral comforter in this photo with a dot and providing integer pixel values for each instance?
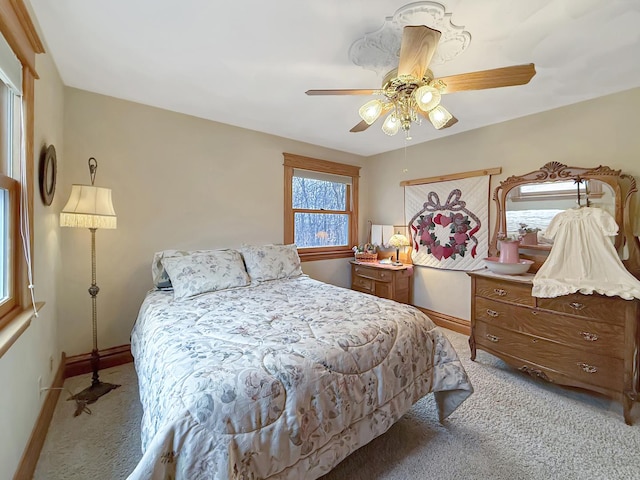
(281, 380)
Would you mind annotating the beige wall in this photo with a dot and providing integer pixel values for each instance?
(598, 132)
(183, 182)
(178, 182)
(28, 358)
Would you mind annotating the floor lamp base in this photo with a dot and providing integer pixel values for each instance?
(94, 392)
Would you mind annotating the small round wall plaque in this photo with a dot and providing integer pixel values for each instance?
(48, 172)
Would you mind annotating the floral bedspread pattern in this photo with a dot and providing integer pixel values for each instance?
(280, 380)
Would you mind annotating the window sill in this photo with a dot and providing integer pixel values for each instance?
(16, 327)
(311, 256)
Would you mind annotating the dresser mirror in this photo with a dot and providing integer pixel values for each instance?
(530, 201)
(533, 205)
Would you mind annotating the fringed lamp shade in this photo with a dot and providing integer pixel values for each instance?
(88, 207)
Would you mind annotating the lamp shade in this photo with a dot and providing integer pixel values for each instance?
(439, 116)
(88, 207)
(391, 125)
(398, 240)
(370, 111)
(427, 97)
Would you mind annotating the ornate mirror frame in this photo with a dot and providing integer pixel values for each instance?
(623, 186)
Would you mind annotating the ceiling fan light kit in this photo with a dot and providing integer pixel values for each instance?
(427, 97)
(370, 111)
(391, 125)
(411, 92)
(440, 117)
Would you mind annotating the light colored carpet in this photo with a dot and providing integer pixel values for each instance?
(513, 428)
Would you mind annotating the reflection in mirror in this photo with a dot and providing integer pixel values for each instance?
(535, 204)
(532, 198)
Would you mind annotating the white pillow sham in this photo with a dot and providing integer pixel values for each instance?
(159, 275)
(202, 272)
(271, 262)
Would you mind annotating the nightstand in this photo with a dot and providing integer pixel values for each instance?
(385, 281)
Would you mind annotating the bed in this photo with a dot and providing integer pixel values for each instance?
(276, 375)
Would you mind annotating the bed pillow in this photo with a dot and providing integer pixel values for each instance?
(160, 277)
(271, 262)
(205, 272)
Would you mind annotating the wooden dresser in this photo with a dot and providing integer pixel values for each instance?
(386, 281)
(586, 341)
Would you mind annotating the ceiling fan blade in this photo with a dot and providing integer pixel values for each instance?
(361, 127)
(418, 46)
(343, 92)
(497, 77)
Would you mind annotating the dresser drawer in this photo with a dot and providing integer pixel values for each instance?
(587, 335)
(607, 309)
(366, 285)
(379, 274)
(503, 314)
(505, 291)
(591, 368)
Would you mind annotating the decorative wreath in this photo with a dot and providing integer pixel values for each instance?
(424, 227)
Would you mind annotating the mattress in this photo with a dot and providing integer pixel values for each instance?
(280, 380)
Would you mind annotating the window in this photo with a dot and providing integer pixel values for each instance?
(19, 44)
(320, 207)
(9, 200)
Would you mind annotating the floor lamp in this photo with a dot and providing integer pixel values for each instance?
(90, 207)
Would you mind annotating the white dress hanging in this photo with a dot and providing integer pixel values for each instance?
(583, 258)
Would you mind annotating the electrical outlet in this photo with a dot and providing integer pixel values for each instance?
(39, 387)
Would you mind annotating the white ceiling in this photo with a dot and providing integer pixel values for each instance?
(248, 63)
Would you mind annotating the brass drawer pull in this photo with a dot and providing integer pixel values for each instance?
(492, 313)
(577, 306)
(500, 292)
(534, 372)
(493, 338)
(589, 337)
(587, 368)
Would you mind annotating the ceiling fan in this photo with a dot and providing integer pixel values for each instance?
(411, 92)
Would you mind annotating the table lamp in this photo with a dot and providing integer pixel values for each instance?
(398, 240)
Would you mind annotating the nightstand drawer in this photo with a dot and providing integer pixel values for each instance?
(505, 291)
(394, 282)
(364, 284)
(374, 273)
